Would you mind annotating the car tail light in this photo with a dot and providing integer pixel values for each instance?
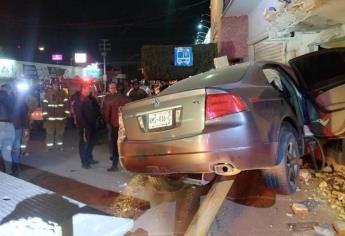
(223, 104)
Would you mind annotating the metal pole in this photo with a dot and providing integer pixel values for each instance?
(104, 46)
(105, 71)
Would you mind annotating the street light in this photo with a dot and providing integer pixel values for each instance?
(41, 48)
(200, 26)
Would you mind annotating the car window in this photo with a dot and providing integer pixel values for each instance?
(230, 74)
(280, 80)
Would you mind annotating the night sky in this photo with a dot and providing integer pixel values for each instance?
(77, 25)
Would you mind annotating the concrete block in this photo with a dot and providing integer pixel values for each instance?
(299, 208)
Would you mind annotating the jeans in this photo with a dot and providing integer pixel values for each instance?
(6, 140)
(113, 133)
(16, 148)
(87, 141)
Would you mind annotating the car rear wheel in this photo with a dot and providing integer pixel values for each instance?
(283, 178)
(166, 184)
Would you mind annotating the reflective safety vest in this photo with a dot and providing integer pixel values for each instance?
(55, 105)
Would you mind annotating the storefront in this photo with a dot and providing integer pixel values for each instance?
(10, 69)
(278, 30)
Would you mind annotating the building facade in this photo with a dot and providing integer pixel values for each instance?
(278, 30)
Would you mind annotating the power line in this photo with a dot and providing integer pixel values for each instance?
(111, 23)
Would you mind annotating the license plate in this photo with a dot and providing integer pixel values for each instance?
(160, 119)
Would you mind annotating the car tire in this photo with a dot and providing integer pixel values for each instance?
(283, 178)
(166, 184)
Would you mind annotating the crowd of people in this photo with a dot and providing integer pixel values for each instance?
(57, 107)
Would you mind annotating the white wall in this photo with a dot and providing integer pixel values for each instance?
(258, 26)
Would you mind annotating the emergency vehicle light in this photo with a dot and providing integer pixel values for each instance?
(23, 86)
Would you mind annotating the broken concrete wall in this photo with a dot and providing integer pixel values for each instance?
(303, 43)
(302, 24)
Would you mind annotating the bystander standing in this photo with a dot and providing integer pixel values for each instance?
(86, 112)
(112, 102)
(21, 123)
(7, 132)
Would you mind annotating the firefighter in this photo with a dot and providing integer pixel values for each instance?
(55, 113)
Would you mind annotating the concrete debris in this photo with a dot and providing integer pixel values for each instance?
(339, 227)
(331, 186)
(324, 230)
(310, 204)
(289, 214)
(323, 185)
(299, 208)
(304, 175)
(339, 195)
(327, 169)
(318, 175)
(303, 226)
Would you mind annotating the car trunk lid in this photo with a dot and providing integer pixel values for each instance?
(179, 111)
(165, 117)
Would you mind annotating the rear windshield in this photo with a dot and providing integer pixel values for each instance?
(211, 78)
(322, 69)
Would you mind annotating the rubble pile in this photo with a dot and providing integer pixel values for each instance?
(128, 206)
(331, 186)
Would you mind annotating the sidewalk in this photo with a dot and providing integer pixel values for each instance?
(67, 162)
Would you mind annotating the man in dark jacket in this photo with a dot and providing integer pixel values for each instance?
(112, 102)
(87, 112)
(21, 124)
(6, 125)
(137, 93)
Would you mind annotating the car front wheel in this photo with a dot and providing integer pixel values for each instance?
(283, 178)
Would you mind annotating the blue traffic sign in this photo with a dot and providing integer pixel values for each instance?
(183, 56)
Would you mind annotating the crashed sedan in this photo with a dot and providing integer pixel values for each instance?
(243, 117)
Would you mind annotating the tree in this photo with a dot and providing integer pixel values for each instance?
(158, 61)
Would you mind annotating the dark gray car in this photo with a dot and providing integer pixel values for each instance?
(247, 116)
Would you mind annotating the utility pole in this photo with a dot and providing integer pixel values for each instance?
(104, 47)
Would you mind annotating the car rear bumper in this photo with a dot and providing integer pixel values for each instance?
(191, 155)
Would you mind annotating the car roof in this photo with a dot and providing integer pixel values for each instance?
(229, 74)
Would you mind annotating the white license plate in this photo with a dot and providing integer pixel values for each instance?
(160, 119)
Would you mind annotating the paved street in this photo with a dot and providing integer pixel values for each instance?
(126, 195)
(197, 91)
